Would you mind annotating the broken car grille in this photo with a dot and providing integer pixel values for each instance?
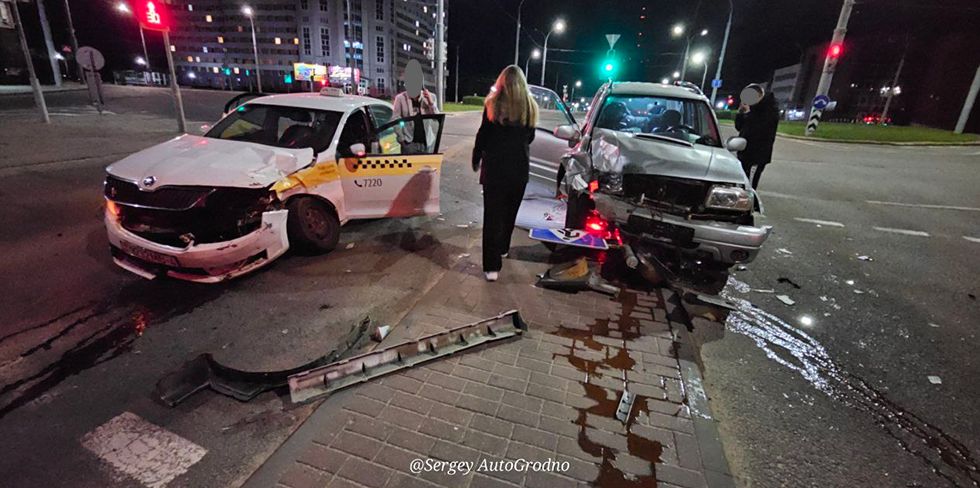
(171, 198)
(672, 195)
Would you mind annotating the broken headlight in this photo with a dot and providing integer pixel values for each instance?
(728, 198)
(611, 182)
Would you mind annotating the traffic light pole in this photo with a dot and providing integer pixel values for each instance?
(829, 65)
(178, 101)
(35, 85)
(721, 57)
(440, 62)
(74, 42)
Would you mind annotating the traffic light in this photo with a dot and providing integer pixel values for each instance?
(835, 51)
(608, 68)
(227, 71)
(287, 78)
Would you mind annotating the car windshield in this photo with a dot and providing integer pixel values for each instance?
(274, 125)
(677, 118)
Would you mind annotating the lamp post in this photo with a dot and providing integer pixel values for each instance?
(255, 47)
(677, 31)
(578, 84)
(701, 58)
(535, 54)
(123, 8)
(74, 42)
(721, 57)
(559, 27)
(517, 43)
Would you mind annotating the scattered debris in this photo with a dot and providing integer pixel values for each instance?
(350, 245)
(783, 250)
(463, 226)
(204, 372)
(823, 298)
(625, 406)
(788, 282)
(741, 267)
(850, 282)
(381, 332)
(785, 299)
(764, 290)
(858, 292)
(285, 331)
(933, 325)
(935, 380)
(324, 380)
(464, 255)
(865, 258)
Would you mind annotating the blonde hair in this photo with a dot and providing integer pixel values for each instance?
(510, 102)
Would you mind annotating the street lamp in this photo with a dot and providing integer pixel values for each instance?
(124, 9)
(140, 61)
(536, 54)
(255, 47)
(677, 30)
(665, 81)
(676, 75)
(559, 27)
(517, 43)
(578, 84)
(701, 58)
(704, 32)
(724, 45)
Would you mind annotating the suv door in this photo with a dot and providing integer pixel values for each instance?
(398, 176)
(547, 150)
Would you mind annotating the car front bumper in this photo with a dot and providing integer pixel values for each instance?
(201, 263)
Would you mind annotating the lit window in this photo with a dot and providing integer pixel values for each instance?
(190, 8)
(278, 40)
(221, 40)
(416, 23)
(173, 48)
(296, 41)
(207, 18)
(205, 49)
(215, 69)
(425, 9)
(241, 29)
(236, 71)
(190, 59)
(197, 59)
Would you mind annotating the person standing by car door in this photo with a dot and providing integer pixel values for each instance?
(415, 100)
(501, 154)
(756, 121)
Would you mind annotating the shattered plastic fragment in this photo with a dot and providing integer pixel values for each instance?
(783, 250)
(764, 290)
(785, 299)
(463, 226)
(865, 258)
(742, 267)
(349, 245)
(935, 380)
(933, 325)
(858, 292)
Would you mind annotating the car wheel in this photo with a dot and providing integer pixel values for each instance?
(312, 225)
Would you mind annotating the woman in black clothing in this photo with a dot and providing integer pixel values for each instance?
(757, 124)
(501, 155)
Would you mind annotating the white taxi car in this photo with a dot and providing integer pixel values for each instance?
(276, 172)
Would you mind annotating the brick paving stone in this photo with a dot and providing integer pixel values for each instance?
(669, 422)
(605, 423)
(657, 358)
(517, 415)
(544, 479)
(395, 458)
(452, 451)
(453, 415)
(444, 365)
(481, 481)
(446, 381)
(367, 426)
(523, 401)
(512, 477)
(411, 402)
(660, 370)
(415, 373)
(578, 400)
(519, 450)
(565, 341)
(475, 361)
(477, 404)
(365, 472)
(579, 469)
(500, 356)
(491, 393)
(399, 416)
(611, 440)
(569, 447)
(536, 437)
(376, 391)
(338, 482)
(531, 364)
(411, 440)
(567, 373)
(402, 480)
(558, 426)
(647, 391)
(365, 405)
(442, 430)
(511, 372)
(508, 383)
(550, 381)
(543, 392)
(680, 476)
(667, 408)
(301, 476)
(688, 453)
(472, 374)
(438, 394)
(483, 442)
(323, 458)
(492, 425)
(403, 383)
(632, 465)
(356, 444)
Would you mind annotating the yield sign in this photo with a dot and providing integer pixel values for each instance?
(612, 38)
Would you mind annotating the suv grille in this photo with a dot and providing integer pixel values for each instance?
(168, 198)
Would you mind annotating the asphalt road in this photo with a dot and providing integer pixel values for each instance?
(82, 341)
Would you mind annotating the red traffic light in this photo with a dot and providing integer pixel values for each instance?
(835, 50)
(153, 15)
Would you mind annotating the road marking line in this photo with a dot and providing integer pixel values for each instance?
(923, 205)
(152, 455)
(972, 239)
(906, 232)
(828, 223)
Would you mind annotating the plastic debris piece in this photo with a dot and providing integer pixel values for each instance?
(764, 290)
(850, 282)
(381, 332)
(933, 325)
(935, 380)
(823, 298)
(349, 245)
(285, 331)
(463, 226)
(783, 250)
(742, 267)
(858, 292)
(785, 299)
(865, 258)
(464, 255)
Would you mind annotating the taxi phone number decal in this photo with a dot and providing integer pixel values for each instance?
(368, 183)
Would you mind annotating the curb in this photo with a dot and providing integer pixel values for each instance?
(716, 470)
(880, 143)
(45, 92)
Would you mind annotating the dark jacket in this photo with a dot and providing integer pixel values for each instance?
(504, 151)
(758, 127)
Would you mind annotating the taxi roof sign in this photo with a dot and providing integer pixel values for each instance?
(153, 15)
(331, 91)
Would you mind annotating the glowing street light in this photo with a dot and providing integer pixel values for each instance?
(124, 9)
(559, 27)
(665, 81)
(535, 54)
(140, 61)
(701, 57)
(578, 84)
(677, 30)
(676, 75)
(248, 12)
(704, 32)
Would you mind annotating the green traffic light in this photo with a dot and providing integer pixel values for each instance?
(608, 67)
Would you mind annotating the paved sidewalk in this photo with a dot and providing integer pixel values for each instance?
(549, 396)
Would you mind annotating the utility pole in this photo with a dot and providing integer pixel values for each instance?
(721, 57)
(440, 44)
(830, 64)
(891, 89)
(35, 85)
(971, 98)
(74, 42)
(48, 43)
(517, 43)
(178, 101)
(350, 41)
(456, 88)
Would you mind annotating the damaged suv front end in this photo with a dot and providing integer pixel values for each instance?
(650, 164)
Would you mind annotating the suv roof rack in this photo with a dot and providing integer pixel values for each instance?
(691, 87)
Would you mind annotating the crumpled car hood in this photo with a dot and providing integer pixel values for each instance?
(621, 152)
(205, 161)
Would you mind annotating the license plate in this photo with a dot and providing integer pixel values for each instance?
(676, 234)
(148, 255)
(569, 237)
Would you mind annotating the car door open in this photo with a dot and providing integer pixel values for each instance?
(399, 173)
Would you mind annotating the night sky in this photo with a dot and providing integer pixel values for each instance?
(767, 34)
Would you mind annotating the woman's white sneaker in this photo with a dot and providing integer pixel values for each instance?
(492, 275)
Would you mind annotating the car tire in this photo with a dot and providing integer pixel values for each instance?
(312, 225)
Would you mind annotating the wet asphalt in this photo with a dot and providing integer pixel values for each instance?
(83, 341)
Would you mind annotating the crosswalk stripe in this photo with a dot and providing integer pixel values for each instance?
(906, 232)
(828, 223)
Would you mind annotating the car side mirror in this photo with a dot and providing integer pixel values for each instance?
(358, 149)
(736, 144)
(568, 133)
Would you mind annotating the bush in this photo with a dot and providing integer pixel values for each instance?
(726, 114)
(472, 100)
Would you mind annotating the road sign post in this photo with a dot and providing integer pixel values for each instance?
(830, 64)
(35, 85)
(153, 15)
(178, 101)
(90, 60)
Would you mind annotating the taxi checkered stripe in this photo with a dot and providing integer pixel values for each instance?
(382, 164)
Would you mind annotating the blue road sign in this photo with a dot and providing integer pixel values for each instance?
(820, 102)
(569, 237)
(715, 83)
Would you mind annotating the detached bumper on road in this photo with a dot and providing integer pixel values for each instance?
(202, 263)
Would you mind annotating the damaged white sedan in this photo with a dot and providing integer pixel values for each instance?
(279, 171)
